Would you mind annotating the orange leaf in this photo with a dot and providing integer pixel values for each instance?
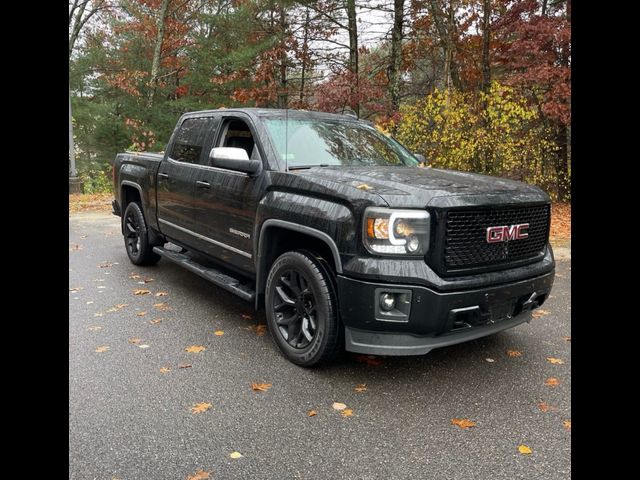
(218, 333)
(155, 321)
(102, 349)
(259, 329)
(566, 339)
(162, 306)
(165, 370)
(105, 265)
(184, 365)
(513, 353)
(364, 186)
(311, 413)
(361, 387)
(134, 341)
(161, 294)
(141, 314)
(200, 407)
(552, 382)
(347, 412)
(195, 349)
(133, 276)
(539, 313)
(148, 280)
(260, 387)
(524, 450)
(463, 423)
(141, 291)
(567, 424)
(545, 407)
(75, 289)
(555, 361)
(199, 475)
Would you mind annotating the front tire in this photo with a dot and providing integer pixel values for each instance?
(301, 309)
(136, 236)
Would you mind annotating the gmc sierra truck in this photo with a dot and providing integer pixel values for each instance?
(336, 230)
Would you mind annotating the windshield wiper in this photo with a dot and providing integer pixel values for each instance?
(304, 167)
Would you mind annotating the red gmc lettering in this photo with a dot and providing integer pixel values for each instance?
(506, 233)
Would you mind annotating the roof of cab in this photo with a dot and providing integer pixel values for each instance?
(279, 113)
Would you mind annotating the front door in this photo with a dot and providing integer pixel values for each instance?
(176, 179)
(226, 200)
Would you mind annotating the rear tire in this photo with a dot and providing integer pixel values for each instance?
(136, 236)
(301, 309)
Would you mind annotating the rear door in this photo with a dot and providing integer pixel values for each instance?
(226, 200)
(176, 178)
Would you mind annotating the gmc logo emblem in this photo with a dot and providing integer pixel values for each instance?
(506, 233)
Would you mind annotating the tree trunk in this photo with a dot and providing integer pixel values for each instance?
(77, 25)
(446, 38)
(157, 51)
(395, 65)
(305, 53)
(486, 39)
(353, 54)
(283, 97)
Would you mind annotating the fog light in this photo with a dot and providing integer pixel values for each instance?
(413, 244)
(387, 301)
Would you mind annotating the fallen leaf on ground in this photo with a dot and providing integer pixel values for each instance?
(555, 361)
(89, 302)
(95, 328)
(539, 313)
(165, 370)
(259, 329)
(75, 289)
(105, 265)
(566, 339)
(246, 317)
(347, 412)
(490, 360)
(141, 291)
(163, 307)
(200, 407)
(260, 387)
(524, 450)
(369, 360)
(195, 349)
(184, 365)
(235, 455)
(134, 341)
(363, 186)
(98, 314)
(463, 423)
(513, 353)
(545, 407)
(141, 314)
(133, 276)
(199, 475)
(361, 387)
(311, 413)
(148, 280)
(143, 346)
(102, 349)
(75, 246)
(117, 307)
(161, 294)
(155, 321)
(552, 382)
(218, 333)
(567, 424)
(338, 406)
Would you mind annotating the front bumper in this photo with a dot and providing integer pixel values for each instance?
(435, 319)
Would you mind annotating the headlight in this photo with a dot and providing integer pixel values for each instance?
(396, 232)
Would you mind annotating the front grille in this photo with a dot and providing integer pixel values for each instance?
(466, 244)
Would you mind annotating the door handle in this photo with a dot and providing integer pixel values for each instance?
(163, 175)
(200, 184)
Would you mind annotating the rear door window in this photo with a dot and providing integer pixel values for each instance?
(190, 140)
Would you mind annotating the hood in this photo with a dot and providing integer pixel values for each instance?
(406, 187)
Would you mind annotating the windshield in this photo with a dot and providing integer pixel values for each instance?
(307, 143)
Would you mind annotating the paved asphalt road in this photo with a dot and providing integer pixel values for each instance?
(127, 420)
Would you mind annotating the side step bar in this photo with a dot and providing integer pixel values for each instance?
(216, 277)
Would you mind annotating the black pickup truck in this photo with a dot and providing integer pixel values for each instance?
(337, 231)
